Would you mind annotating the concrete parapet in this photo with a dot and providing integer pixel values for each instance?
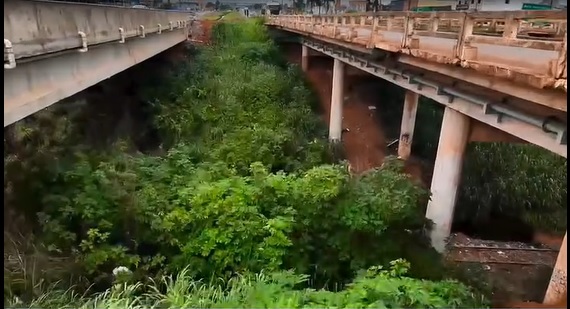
(40, 27)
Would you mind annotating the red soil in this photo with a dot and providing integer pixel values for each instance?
(363, 140)
(365, 143)
(202, 31)
(560, 304)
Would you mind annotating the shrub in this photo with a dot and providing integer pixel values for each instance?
(244, 184)
(376, 287)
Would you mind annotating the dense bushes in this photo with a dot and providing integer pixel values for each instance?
(506, 179)
(518, 180)
(245, 185)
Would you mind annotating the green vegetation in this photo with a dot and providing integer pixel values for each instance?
(518, 180)
(241, 199)
(515, 180)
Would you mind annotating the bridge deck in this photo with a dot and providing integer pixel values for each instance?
(527, 47)
(42, 27)
(53, 50)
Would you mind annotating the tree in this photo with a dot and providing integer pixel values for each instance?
(217, 5)
(372, 5)
(299, 5)
(257, 6)
(210, 5)
(327, 4)
(313, 3)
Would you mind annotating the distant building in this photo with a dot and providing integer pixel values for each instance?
(357, 5)
(404, 5)
(508, 5)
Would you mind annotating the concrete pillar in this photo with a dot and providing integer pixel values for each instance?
(446, 175)
(557, 287)
(337, 98)
(408, 124)
(304, 58)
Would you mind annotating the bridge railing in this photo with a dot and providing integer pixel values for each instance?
(33, 28)
(532, 44)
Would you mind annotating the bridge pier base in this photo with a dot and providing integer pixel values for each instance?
(446, 175)
(304, 58)
(408, 124)
(337, 98)
(557, 288)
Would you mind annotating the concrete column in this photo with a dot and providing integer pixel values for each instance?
(408, 124)
(446, 175)
(557, 288)
(304, 58)
(337, 98)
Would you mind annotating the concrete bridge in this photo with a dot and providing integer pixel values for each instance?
(53, 50)
(500, 75)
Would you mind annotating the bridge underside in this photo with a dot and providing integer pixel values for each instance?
(471, 113)
(534, 125)
(34, 85)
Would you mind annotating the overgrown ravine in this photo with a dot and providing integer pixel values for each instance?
(210, 185)
(498, 202)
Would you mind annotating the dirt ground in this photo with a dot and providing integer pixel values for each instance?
(201, 31)
(364, 142)
(514, 271)
(365, 147)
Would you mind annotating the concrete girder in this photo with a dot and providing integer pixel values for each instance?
(34, 85)
(519, 129)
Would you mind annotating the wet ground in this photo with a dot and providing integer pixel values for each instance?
(363, 139)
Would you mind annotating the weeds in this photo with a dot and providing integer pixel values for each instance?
(246, 189)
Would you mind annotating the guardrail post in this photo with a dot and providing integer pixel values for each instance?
(511, 28)
(434, 25)
(352, 33)
(373, 33)
(408, 41)
(561, 63)
(463, 51)
(335, 20)
(389, 23)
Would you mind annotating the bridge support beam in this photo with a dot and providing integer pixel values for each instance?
(34, 85)
(304, 58)
(557, 288)
(408, 124)
(337, 98)
(446, 175)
